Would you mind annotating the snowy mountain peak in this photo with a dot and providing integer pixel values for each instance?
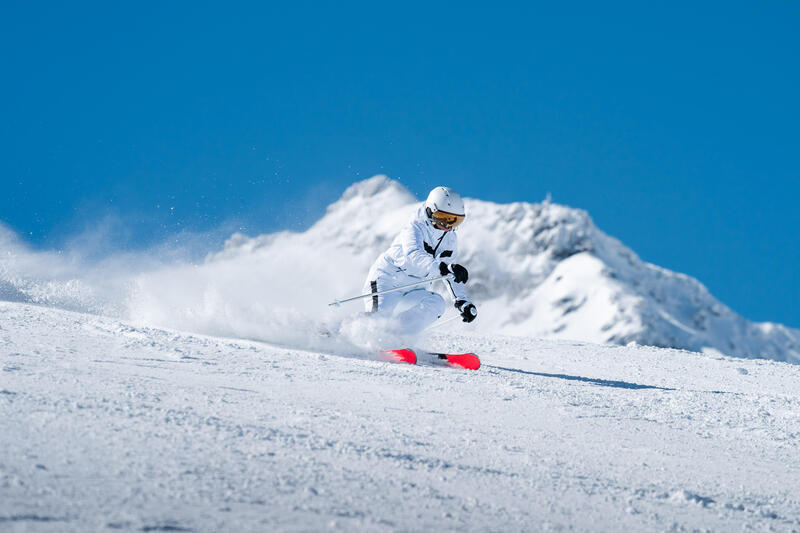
(377, 190)
(526, 228)
(541, 270)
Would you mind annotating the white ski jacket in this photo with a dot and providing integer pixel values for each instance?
(416, 253)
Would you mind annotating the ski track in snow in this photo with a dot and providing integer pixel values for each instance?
(111, 426)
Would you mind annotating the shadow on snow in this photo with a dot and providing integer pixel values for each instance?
(595, 381)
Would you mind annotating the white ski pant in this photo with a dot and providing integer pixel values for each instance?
(412, 310)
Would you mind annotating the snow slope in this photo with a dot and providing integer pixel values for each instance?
(111, 426)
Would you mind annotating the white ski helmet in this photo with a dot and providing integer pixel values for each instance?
(445, 207)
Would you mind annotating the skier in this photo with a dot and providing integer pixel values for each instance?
(426, 247)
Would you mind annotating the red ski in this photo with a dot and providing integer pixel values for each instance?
(469, 361)
(399, 356)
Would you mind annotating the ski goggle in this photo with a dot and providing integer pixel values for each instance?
(446, 220)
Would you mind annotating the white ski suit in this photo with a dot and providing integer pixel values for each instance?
(414, 254)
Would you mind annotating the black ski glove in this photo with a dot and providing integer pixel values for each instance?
(468, 311)
(459, 273)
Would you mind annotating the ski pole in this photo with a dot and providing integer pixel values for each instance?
(337, 303)
(443, 322)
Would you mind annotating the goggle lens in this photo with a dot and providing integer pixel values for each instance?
(446, 220)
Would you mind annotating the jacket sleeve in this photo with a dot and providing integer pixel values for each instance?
(417, 262)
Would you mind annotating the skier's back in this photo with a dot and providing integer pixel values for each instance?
(426, 247)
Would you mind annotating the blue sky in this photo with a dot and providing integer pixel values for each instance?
(675, 125)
